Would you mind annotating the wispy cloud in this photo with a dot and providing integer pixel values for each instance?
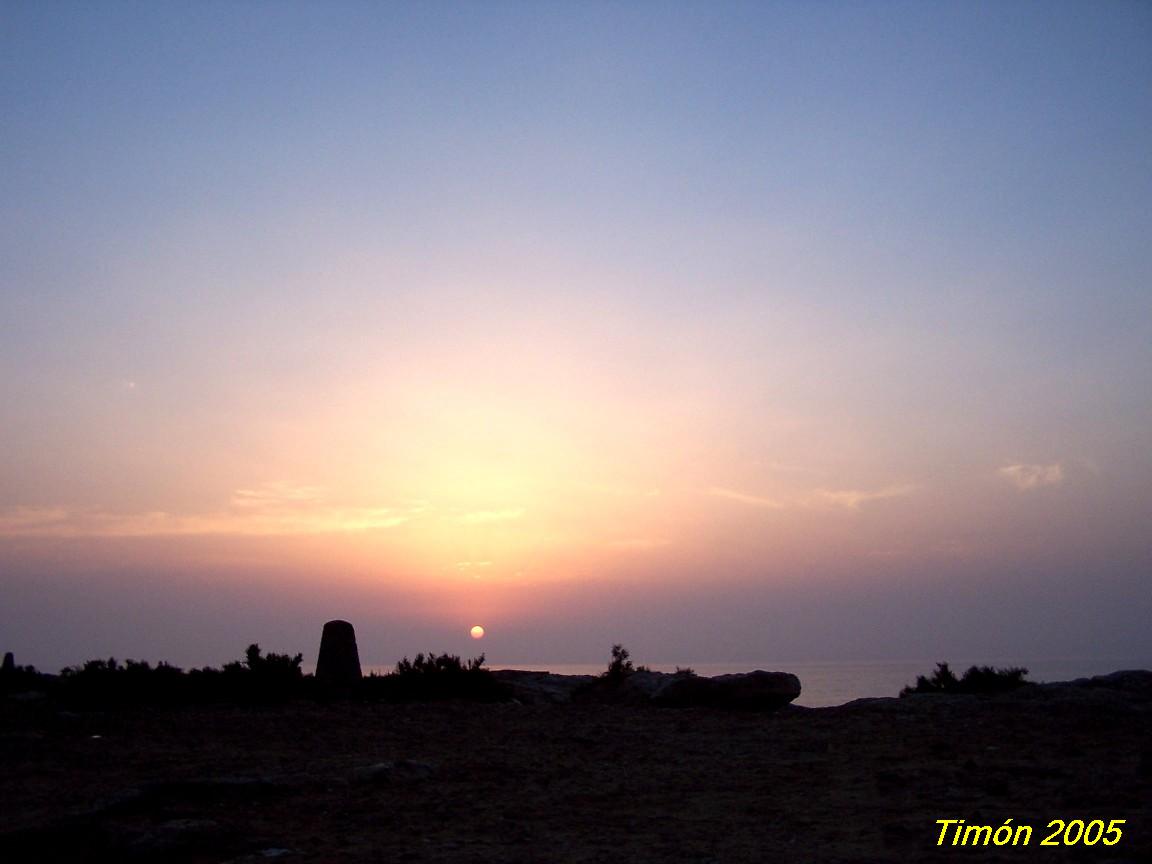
(32, 520)
(477, 517)
(618, 491)
(853, 498)
(745, 498)
(267, 510)
(278, 495)
(637, 544)
(850, 499)
(778, 467)
(1027, 477)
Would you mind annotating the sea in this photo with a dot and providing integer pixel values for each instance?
(824, 684)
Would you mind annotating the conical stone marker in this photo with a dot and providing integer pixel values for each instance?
(339, 662)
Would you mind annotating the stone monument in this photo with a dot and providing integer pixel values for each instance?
(339, 662)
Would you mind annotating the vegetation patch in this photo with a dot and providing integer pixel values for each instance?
(432, 678)
(978, 679)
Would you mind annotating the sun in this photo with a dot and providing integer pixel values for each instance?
(477, 632)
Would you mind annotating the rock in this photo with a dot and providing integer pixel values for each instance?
(535, 688)
(758, 691)
(261, 855)
(28, 696)
(183, 836)
(1136, 681)
(402, 771)
(339, 662)
(687, 690)
(640, 687)
(643, 685)
(212, 789)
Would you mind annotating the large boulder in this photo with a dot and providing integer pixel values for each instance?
(759, 690)
(339, 662)
(535, 688)
(1136, 681)
(642, 686)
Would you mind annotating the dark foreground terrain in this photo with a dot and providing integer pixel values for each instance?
(457, 782)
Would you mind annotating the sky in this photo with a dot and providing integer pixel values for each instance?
(733, 332)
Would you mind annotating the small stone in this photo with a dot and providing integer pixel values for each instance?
(402, 770)
(183, 836)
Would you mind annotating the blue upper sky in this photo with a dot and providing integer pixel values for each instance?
(791, 256)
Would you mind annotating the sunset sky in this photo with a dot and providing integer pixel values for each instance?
(729, 331)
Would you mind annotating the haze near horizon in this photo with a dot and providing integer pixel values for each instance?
(729, 331)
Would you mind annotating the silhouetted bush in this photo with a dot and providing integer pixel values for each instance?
(445, 665)
(274, 675)
(431, 677)
(258, 678)
(612, 685)
(20, 679)
(620, 666)
(978, 679)
(107, 681)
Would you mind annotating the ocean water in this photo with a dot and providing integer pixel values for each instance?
(824, 684)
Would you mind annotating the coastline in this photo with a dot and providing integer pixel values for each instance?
(831, 683)
(575, 782)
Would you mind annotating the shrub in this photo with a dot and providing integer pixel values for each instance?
(977, 679)
(273, 666)
(445, 665)
(986, 679)
(620, 666)
(14, 679)
(133, 681)
(431, 677)
(259, 677)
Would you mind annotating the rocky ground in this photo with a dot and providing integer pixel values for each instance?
(577, 782)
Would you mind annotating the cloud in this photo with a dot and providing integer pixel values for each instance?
(32, 520)
(783, 467)
(478, 517)
(1027, 477)
(745, 498)
(853, 498)
(638, 544)
(268, 510)
(618, 491)
(850, 499)
(277, 495)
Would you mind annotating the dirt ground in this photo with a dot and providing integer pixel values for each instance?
(573, 783)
